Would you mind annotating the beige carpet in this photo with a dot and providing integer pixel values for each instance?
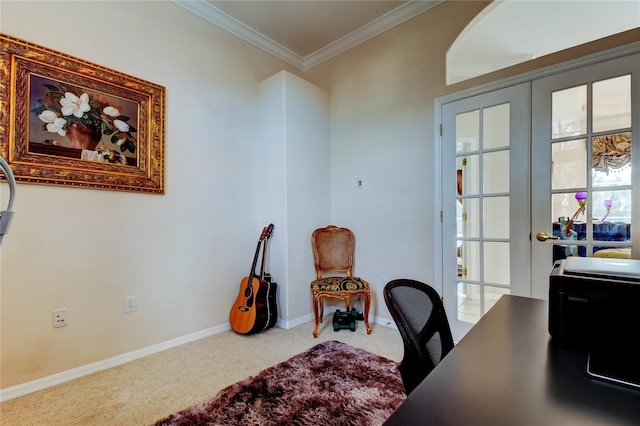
(146, 390)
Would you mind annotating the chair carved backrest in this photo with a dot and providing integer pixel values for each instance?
(333, 250)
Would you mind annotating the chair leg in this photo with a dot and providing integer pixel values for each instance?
(367, 303)
(317, 301)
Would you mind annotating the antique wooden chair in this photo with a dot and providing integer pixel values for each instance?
(333, 253)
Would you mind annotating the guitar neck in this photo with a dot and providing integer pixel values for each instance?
(267, 234)
(264, 254)
(252, 273)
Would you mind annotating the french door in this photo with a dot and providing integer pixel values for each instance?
(485, 215)
(584, 185)
(556, 158)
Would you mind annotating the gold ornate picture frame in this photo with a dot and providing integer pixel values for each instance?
(66, 121)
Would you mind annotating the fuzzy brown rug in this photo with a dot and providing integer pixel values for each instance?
(330, 384)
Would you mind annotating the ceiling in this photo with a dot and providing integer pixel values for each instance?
(534, 28)
(305, 33)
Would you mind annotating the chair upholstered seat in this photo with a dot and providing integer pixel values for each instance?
(339, 284)
(333, 250)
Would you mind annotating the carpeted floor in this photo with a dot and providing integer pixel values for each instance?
(332, 383)
(151, 388)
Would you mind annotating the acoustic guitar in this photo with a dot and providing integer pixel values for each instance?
(271, 287)
(249, 313)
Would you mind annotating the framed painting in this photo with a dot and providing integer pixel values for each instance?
(66, 121)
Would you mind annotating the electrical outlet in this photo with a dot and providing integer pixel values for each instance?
(129, 303)
(59, 318)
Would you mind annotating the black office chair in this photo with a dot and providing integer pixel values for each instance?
(419, 314)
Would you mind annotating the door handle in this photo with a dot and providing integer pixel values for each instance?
(543, 236)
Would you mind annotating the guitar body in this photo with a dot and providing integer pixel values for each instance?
(249, 312)
(272, 302)
(262, 306)
(255, 307)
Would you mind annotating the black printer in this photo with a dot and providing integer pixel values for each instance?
(593, 304)
(594, 299)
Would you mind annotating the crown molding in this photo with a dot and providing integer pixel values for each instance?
(212, 14)
(385, 22)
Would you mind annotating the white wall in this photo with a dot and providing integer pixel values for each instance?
(381, 108)
(298, 179)
(181, 254)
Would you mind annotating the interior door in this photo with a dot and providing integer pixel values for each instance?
(485, 199)
(584, 188)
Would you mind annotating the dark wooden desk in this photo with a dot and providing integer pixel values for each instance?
(506, 371)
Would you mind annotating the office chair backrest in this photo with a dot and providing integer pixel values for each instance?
(419, 314)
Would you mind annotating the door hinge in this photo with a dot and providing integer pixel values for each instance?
(441, 216)
(440, 129)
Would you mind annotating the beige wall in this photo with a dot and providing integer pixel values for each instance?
(381, 108)
(183, 254)
(296, 178)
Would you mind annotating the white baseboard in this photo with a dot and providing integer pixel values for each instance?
(384, 322)
(75, 373)
(288, 325)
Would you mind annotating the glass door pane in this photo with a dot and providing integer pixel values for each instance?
(612, 104)
(569, 113)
